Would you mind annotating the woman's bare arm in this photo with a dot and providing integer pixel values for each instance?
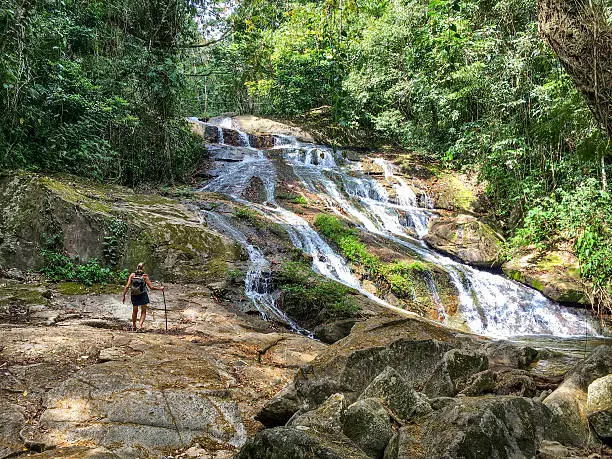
(151, 286)
(127, 286)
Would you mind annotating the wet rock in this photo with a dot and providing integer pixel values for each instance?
(327, 416)
(335, 331)
(12, 420)
(228, 154)
(555, 273)
(368, 424)
(396, 395)
(467, 238)
(261, 141)
(298, 443)
(453, 372)
(371, 168)
(568, 402)
(255, 191)
(466, 427)
(599, 407)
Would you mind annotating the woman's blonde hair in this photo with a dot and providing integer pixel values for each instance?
(140, 266)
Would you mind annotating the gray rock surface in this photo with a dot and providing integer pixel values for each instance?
(368, 424)
(327, 416)
(12, 420)
(397, 395)
(466, 237)
(298, 443)
(599, 406)
(569, 401)
(466, 427)
(453, 372)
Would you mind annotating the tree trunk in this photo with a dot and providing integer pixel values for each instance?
(580, 35)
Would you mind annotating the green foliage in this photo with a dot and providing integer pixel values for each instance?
(96, 89)
(400, 277)
(60, 267)
(311, 299)
(583, 216)
(234, 274)
(249, 215)
(346, 240)
(300, 200)
(116, 232)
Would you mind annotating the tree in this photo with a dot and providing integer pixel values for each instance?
(580, 33)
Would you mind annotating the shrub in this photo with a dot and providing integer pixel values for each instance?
(311, 299)
(60, 267)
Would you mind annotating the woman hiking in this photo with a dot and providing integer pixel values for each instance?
(138, 283)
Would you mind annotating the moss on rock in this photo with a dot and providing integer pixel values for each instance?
(67, 214)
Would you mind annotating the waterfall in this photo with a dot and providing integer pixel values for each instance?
(489, 304)
(220, 135)
(258, 280)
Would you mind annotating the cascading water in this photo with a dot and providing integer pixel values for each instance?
(489, 304)
(258, 280)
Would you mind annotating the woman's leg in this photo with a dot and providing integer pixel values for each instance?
(143, 314)
(134, 316)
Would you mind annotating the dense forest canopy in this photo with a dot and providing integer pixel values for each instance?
(101, 89)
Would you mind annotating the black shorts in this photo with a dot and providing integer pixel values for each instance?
(139, 300)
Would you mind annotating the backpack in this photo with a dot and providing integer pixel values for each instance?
(138, 285)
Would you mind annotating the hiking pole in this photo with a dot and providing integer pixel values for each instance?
(165, 309)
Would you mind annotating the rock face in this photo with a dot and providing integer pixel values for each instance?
(502, 427)
(12, 421)
(599, 407)
(555, 274)
(467, 238)
(261, 126)
(299, 443)
(110, 223)
(87, 387)
(395, 387)
(569, 401)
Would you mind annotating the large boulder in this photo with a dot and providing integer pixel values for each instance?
(466, 427)
(556, 274)
(328, 415)
(396, 395)
(599, 407)
(467, 238)
(110, 223)
(12, 420)
(411, 346)
(453, 372)
(569, 401)
(257, 126)
(298, 443)
(368, 424)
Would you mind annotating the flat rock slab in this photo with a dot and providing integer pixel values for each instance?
(165, 397)
(12, 421)
(87, 388)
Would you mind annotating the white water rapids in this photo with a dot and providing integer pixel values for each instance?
(489, 304)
